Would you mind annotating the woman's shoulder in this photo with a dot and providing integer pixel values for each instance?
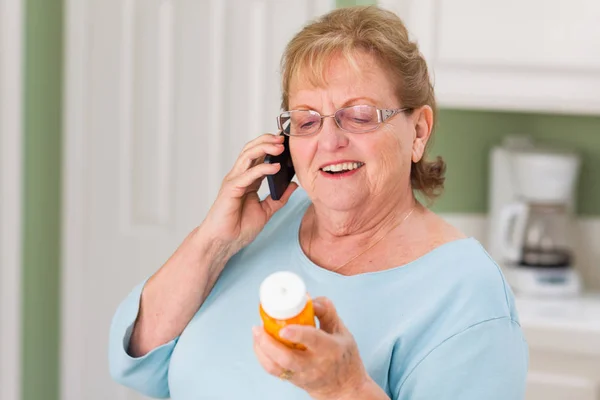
(454, 287)
(471, 280)
(457, 288)
(463, 262)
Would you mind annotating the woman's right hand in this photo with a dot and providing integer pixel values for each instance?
(173, 295)
(237, 216)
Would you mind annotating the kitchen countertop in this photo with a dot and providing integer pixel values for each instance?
(569, 324)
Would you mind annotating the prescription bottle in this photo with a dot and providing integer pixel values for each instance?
(285, 301)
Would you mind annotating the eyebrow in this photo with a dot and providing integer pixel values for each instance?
(347, 103)
(355, 99)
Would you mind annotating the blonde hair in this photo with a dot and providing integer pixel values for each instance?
(381, 33)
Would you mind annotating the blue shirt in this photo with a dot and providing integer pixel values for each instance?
(443, 326)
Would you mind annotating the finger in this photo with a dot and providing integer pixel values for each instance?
(238, 187)
(258, 160)
(267, 363)
(315, 340)
(254, 187)
(272, 206)
(253, 156)
(266, 138)
(328, 317)
(280, 354)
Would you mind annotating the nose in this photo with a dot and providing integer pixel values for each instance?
(331, 137)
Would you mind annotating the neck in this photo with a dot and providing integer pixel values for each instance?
(336, 239)
(362, 224)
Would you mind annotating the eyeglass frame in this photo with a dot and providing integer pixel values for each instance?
(383, 114)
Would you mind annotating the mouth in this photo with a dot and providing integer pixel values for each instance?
(341, 169)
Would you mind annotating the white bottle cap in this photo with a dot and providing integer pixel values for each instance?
(283, 295)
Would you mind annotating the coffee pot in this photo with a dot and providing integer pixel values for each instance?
(532, 229)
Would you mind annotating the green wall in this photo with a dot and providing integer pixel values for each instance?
(464, 139)
(42, 153)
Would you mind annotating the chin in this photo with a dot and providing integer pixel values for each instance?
(341, 199)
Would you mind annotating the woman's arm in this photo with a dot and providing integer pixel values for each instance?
(368, 391)
(147, 324)
(174, 294)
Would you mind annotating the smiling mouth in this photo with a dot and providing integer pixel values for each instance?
(341, 168)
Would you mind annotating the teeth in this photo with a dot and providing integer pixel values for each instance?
(347, 166)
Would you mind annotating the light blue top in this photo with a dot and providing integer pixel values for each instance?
(441, 327)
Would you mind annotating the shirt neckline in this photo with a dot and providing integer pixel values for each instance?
(315, 269)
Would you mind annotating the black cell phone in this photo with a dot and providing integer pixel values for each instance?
(280, 181)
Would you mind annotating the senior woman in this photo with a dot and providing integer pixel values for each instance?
(412, 309)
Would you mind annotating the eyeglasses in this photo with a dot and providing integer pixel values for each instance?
(353, 119)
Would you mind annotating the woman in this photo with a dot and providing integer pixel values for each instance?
(413, 308)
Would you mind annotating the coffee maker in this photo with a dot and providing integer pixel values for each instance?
(531, 202)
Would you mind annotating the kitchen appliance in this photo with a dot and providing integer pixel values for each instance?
(532, 199)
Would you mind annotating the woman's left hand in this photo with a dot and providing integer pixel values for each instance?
(329, 368)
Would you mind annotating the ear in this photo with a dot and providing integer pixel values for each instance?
(423, 120)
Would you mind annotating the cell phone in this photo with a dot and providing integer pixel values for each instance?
(279, 182)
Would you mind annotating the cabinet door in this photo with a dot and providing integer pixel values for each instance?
(531, 34)
(545, 386)
(161, 97)
(538, 55)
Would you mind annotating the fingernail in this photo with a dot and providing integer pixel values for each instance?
(286, 333)
(255, 331)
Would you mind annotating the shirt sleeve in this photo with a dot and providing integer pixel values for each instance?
(147, 375)
(488, 361)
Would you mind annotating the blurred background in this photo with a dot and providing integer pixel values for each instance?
(118, 119)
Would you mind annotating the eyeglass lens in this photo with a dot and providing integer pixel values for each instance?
(362, 118)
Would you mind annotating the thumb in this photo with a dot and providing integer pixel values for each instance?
(325, 311)
(272, 206)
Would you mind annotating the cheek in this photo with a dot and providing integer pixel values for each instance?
(303, 151)
(390, 149)
(392, 157)
(301, 154)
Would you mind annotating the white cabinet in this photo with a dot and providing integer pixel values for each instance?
(557, 375)
(545, 386)
(534, 55)
(564, 347)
